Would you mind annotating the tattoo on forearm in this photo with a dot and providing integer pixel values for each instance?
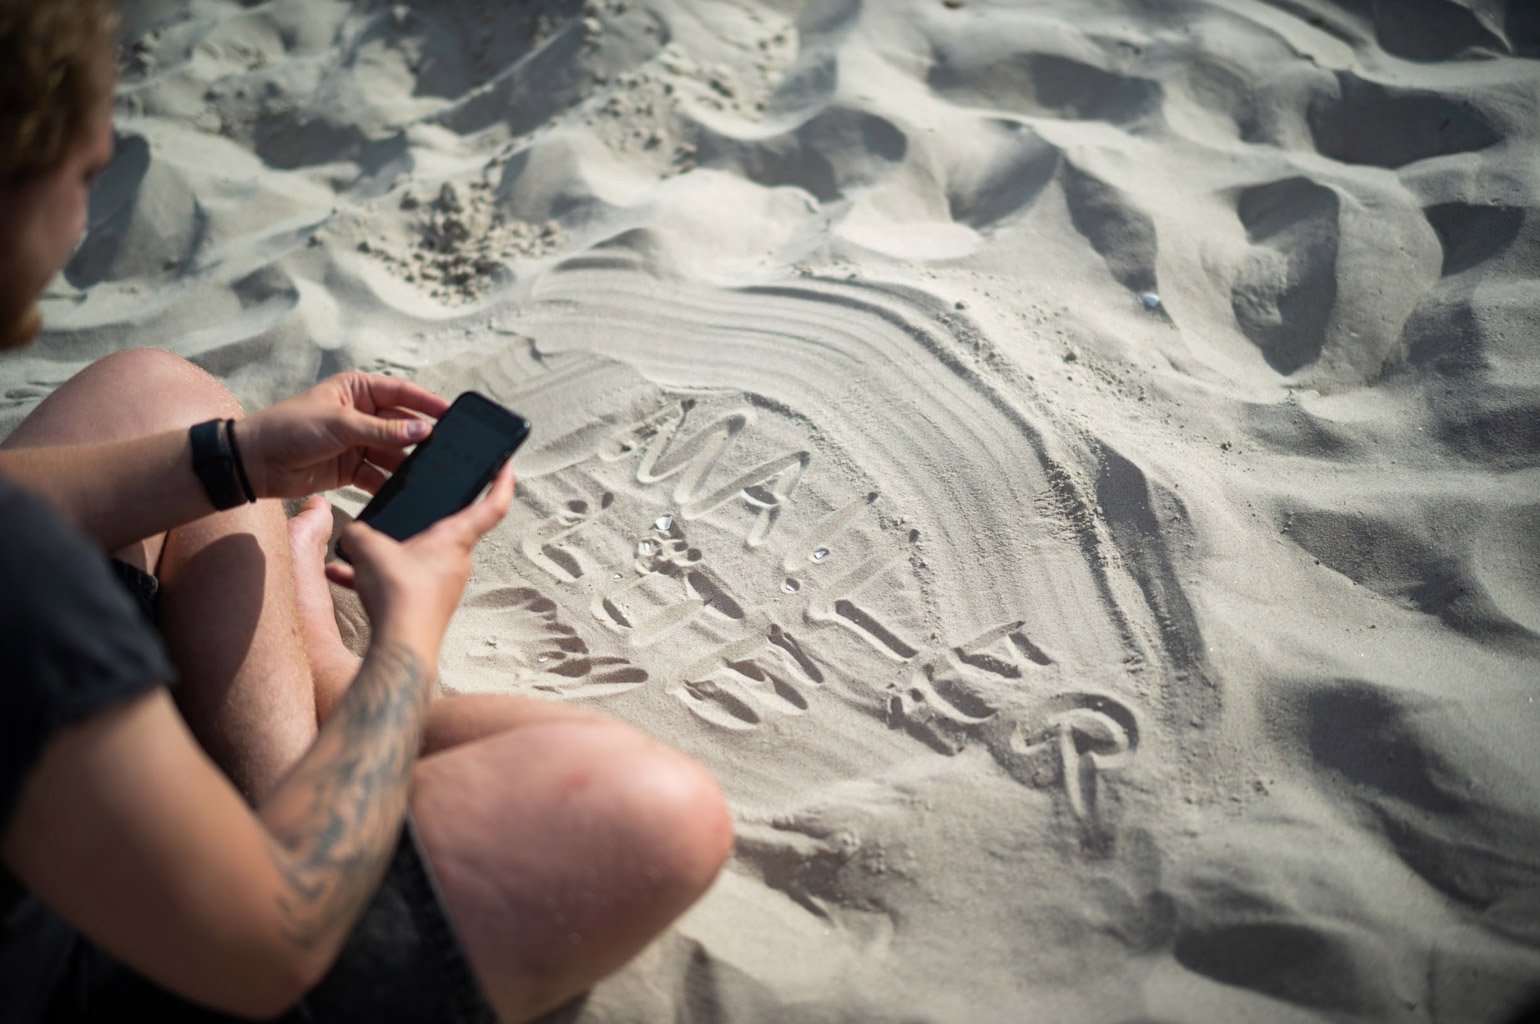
(342, 809)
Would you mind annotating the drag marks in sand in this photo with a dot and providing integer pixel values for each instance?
(755, 539)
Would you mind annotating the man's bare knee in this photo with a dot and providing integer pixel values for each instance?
(676, 819)
(126, 394)
(178, 392)
(613, 836)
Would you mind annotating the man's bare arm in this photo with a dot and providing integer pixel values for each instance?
(118, 492)
(335, 819)
(349, 429)
(128, 831)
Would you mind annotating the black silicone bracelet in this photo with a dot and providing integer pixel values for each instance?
(240, 463)
(214, 465)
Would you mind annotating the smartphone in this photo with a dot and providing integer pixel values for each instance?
(449, 470)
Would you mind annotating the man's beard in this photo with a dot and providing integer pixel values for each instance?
(20, 331)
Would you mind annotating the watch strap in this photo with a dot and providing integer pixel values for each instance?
(240, 463)
(214, 464)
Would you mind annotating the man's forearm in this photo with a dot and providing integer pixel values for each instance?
(116, 493)
(336, 818)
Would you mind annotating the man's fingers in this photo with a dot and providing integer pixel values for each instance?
(489, 511)
(369, 478)
(388, 459)
(363, 430)
(472, 523)
(361, 541)
(340, 573)
(387, 392)
(502, 489)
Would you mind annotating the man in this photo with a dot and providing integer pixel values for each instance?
(287, 825)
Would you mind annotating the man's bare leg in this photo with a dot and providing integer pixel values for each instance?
(454, 720)
(332, 664)
(562, 849)
(227, 609)
(564, 840)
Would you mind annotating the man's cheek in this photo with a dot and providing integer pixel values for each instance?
(76, 238)
(80, 243)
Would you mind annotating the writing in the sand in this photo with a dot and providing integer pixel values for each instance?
(756, 667)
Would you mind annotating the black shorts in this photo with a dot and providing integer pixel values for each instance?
(403, 961)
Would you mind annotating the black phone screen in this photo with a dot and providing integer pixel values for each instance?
(446, 472)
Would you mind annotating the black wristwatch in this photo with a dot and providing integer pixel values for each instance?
(218, 465)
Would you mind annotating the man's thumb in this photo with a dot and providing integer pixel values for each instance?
(379, 432)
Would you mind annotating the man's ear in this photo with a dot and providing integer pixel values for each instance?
(21, 329)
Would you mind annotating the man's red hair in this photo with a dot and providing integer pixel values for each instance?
(56, 64)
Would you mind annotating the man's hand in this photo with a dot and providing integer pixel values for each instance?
(350, 429)
(413, 588)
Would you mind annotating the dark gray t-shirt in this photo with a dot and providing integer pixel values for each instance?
(72, 643)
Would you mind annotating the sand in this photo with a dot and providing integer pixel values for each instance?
(1071, 468)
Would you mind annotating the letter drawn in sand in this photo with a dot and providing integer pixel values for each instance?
(669, 451)
(759, 675)
(835, 604)
(671, 586)
(951, 693)
(1074, 739)
(553, 543)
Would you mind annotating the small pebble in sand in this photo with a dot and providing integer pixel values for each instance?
(1150, 301)
(791, 586)
(820, 554)
(664, 523)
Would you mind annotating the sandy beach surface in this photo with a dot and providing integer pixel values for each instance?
(1071, 468)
